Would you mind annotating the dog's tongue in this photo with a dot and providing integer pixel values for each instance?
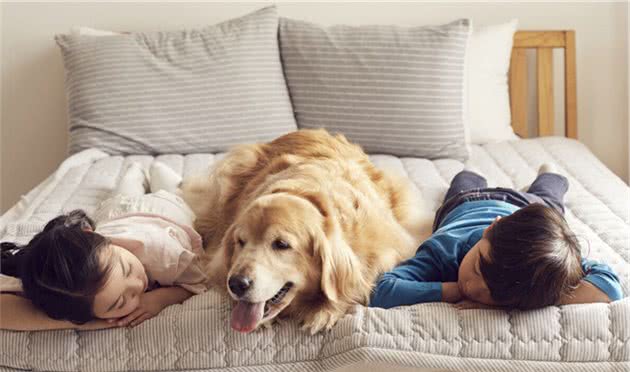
(246, 315)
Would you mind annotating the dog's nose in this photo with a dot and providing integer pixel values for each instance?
(239, 284)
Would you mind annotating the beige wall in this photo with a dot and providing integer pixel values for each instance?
(1, 183)
(33, 117)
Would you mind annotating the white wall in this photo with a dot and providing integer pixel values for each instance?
(33, 137)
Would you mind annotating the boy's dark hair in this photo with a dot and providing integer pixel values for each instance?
(60, 267)
(534, 258)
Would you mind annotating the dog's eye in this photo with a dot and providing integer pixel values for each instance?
(280, 244)
(241, 242)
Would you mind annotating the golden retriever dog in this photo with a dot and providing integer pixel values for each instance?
(302, 226)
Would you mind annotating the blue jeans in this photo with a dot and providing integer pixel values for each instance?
(548, 189)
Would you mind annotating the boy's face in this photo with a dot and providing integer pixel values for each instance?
(470, 281)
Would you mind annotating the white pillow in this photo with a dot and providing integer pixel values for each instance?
(488, 60)
(79, 30)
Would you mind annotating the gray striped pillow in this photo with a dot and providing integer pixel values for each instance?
(396, 90)
(191, 91)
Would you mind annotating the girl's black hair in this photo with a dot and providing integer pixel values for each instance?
(60, 267)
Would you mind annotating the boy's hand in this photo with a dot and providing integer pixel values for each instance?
(151, 304)
(467, 304)
(450, 292)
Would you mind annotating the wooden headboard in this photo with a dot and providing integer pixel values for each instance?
(543, 42)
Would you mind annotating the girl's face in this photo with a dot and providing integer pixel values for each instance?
(127, 280)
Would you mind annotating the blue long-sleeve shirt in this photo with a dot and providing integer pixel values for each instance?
(420, 278)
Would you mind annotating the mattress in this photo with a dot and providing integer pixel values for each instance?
(196, 335)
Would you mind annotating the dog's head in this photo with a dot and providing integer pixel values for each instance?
(283, 250)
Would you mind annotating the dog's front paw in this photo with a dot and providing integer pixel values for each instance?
(322, 319)
(274, 321)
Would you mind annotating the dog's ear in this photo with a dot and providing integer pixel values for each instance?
(228, 245)
(319, 202)
(281, 163)
(221, 260)
(316, 199)
(342, 277)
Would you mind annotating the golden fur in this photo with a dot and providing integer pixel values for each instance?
(345, 221)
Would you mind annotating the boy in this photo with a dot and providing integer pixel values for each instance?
(499, 247)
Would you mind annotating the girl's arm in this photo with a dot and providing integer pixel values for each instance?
(18, 314)
(170, 295)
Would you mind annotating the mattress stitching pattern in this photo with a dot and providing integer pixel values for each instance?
(572, 175)
(359, 336)
(598, 196)
(499, 166)
(610, 331)
(225, 319)
(458, 354)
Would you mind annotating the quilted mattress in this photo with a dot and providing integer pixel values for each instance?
(197, 336)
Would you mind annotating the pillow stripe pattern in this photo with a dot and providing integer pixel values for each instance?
(390, 89)
(194, 91)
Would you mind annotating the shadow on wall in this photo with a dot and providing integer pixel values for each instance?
(36, 141)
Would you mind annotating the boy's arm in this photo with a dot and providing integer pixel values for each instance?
(414, 281)
(391, 292)
(18, 314)
(600, 284)
(584, 293)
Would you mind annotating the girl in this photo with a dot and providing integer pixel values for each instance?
(140, 256)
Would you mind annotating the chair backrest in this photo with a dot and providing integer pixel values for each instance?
(543, 42)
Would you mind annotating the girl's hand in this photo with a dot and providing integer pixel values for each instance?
(151, 304)
(96, 324)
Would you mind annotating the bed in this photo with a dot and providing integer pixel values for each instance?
(196, 335)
